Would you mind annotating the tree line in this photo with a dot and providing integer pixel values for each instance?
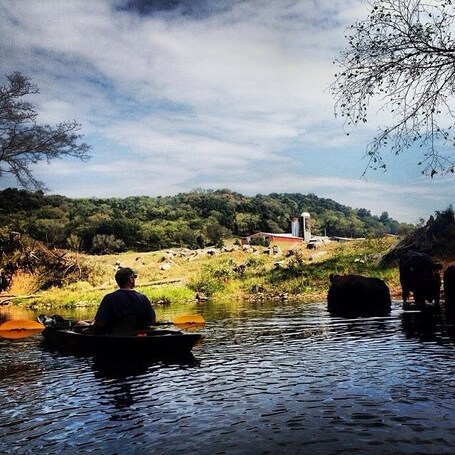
(195, 219)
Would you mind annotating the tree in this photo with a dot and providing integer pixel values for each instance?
(405, 54)
(23, 142)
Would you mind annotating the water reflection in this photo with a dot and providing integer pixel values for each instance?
(272, 378)
(15, 360)
(126, 383)
(113, 367)
(121, 382)
(429, 327)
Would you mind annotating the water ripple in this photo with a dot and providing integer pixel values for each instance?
(281, 379)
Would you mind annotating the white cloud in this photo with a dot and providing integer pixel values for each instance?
(238, 99)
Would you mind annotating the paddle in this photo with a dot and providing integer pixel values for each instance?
(20, 328)
(189, 320)
(185, 321)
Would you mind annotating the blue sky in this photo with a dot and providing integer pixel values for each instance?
(177, 95)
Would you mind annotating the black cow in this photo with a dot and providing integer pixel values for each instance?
(449, 289)
(356, 295)
(419, 275)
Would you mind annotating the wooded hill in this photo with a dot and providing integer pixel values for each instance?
(195, 219)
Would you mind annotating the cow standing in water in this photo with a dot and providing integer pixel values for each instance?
(449, 290)
(356, 295)
(419, 275)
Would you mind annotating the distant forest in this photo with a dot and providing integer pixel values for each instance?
(196, 219)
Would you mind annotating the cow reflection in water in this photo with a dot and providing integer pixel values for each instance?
(356, 295)
(428, 326)
(433, 323)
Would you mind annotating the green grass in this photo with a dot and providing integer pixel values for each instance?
(300, 274)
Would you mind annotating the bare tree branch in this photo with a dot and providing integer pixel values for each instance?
(403, 54)
(24, 143)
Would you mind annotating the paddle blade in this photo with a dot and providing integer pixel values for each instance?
(189, 320)
(20, 328)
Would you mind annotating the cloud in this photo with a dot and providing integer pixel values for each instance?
(178, 95)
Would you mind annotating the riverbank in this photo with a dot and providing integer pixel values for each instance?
(230, 273)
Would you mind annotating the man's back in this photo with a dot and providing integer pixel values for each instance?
(123, 310)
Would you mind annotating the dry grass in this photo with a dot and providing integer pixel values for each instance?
(176, 275)
(23, 283)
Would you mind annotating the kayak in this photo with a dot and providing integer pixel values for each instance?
(153, 341)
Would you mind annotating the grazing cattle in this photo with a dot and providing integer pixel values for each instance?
(355, 295)
(419, 275)
(449, 289)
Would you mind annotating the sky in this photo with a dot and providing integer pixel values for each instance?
(177, 95)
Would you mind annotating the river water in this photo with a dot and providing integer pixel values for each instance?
(268, 378)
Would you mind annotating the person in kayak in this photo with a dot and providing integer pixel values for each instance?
(124, 309)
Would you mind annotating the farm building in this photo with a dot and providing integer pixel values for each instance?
(300, 232)
(270, 237)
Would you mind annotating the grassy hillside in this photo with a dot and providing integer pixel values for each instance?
(230, 273)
